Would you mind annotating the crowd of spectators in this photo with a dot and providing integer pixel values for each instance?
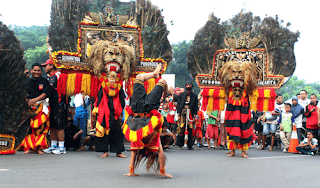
(272, 128)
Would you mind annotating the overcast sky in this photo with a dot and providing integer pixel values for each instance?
(189, 16)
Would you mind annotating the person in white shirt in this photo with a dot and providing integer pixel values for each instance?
(304, 101)
(279, 103)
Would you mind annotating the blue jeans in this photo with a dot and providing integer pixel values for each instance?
(305, 151)
(80, 120)
(269, 127)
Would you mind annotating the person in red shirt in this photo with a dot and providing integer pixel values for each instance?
(199, 126)
(312, 116)
(170, 119)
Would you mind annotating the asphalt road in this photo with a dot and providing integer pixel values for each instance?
(197, 168)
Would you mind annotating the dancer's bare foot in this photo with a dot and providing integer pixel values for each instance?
(166, 175)
(233, 153)
(271, 149)
(121, 155)
(156, 71)
(27, 152)
(261, 148)
(228, 152)
(131, 174)
(104, 154)
(244, 155)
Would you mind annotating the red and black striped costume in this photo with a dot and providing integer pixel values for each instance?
(39, 127)
(238, 122)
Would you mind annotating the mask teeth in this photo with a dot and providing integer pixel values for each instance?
(107, 66)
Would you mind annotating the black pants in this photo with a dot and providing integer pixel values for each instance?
(299, 131)
(305, 151)
(181, 136)
(141, 101)
(114, 139)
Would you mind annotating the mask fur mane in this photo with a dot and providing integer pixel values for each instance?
(234, 70)
(100, 56)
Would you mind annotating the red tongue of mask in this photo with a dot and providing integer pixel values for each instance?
(236, 85)
(113, 68)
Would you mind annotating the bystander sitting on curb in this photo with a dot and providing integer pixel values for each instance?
(308, 145)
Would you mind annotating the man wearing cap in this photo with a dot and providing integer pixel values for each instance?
(58, 115)
(187, 109)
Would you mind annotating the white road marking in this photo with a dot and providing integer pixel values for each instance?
(2, 170)
(278, 157)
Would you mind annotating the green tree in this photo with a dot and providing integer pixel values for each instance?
(295, 85)
(36, 55)
(30, 37)
(179, 66)
(33, 40)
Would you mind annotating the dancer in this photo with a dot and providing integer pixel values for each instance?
(143, 124)
(187, 109)
(238, 80)
(108, 109)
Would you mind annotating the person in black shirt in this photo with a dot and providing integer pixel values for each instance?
(187, 109)
(38, 90)
(72, 136)
(58, 115)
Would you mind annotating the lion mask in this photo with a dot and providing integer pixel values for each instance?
(239, 76)
(107, 56)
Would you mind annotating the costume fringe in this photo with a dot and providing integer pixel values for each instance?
(265, 99)
(62, 84)
(213, 99)
(74, 82)
(86, 84)
(261, 99)
(234, 145)
(70, 84)
(149, 85)
(78, 82)
(151, 159)
(95, 86)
